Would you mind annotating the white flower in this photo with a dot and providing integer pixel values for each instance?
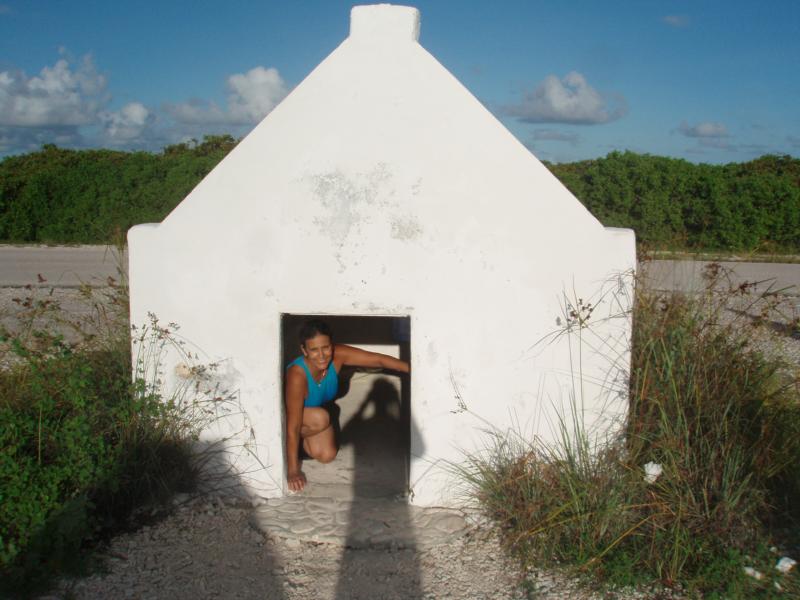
(183, 370)
(652, 471)
(785, 564)
(753, 573)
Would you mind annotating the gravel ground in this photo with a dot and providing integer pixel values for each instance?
(207, 549)
(772, 325)
(87, 309)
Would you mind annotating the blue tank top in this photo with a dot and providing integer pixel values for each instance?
(322, 392)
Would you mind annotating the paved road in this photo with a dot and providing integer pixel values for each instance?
(688, 274)
(70, 266)
(61, 266)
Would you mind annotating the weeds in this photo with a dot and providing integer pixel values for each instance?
(700, 484)
(86, 441)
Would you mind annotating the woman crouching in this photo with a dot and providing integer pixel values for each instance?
(312, 381)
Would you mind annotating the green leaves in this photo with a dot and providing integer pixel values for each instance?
(679, 205)
(80, 446)
(89, 196)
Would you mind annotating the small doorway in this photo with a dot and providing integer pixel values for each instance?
(373, 410)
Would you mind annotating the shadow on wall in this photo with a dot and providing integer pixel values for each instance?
(377, 436)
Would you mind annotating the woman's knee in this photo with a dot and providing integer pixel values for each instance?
(316, 420)
(326, 454)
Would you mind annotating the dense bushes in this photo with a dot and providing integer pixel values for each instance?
(89, 196)
(717, 427)
(679, 205)
(81, 445)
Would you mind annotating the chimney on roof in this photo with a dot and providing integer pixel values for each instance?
(384, 22)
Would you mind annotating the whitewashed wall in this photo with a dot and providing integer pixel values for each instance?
(381, 186)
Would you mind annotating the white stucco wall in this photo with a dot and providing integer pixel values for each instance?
(381, 186)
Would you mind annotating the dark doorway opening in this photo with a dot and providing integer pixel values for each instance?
(373, 409)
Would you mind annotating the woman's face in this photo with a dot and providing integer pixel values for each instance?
(318, 351)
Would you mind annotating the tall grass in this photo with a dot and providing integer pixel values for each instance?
(718, 420)
(83, 443)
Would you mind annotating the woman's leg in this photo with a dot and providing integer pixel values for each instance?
(317, 433)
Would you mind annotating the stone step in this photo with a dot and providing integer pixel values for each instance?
(359, 522)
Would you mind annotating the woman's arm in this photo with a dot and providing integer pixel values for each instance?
(356, 357)
(295, 391)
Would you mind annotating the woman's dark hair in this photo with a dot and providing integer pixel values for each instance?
(313, 328)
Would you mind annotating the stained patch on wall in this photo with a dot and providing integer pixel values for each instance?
(405, 228)
(349, 202)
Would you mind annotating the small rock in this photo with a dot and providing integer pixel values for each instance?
(785, 564)
(751, 572)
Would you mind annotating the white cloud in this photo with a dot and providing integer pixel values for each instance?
(127, 124)
(59, 96)
(676, 20)
(196, 112)
(29, 139)
(567, 100)
(708, 134)
(67, 104)
(705, 130)
(555, 136)
(255, 93)
(251, 96)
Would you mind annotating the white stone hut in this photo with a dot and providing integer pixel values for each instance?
(381, 187)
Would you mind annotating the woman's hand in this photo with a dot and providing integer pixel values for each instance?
(296, 480)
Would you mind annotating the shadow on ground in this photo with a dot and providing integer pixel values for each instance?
(377, 437)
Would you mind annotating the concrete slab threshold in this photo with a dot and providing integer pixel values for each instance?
(358, 501)
(360, 522)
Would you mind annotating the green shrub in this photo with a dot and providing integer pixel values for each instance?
(57, 195)
(720, 419)
(675, 204)
(82, 445)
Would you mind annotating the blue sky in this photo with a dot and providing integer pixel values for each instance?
(708, 81)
